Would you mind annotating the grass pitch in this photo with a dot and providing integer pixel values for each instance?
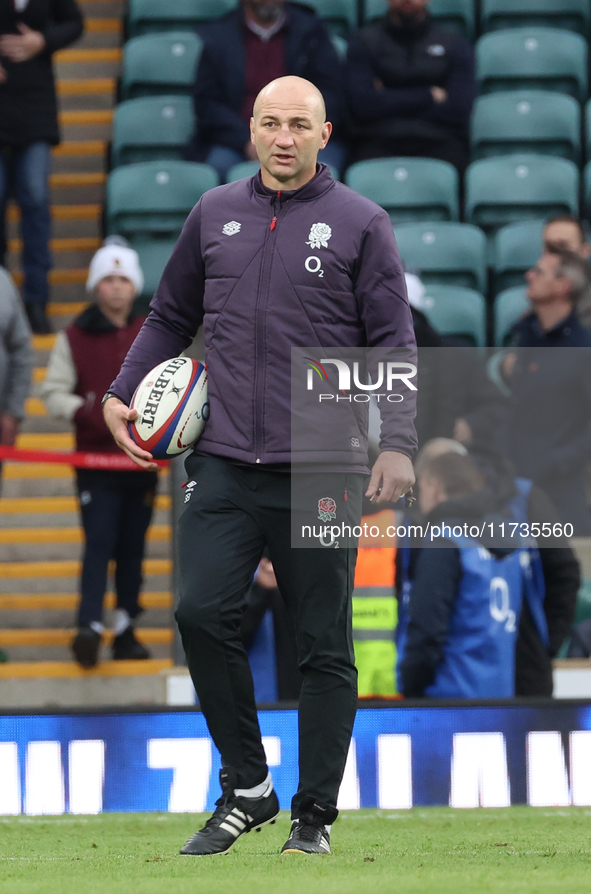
(432, 851)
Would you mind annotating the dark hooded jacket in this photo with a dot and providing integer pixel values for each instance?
(28, 105)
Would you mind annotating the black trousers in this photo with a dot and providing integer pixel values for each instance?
(231, 513)
(116, 509)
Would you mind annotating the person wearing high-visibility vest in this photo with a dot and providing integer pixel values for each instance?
(375, 609)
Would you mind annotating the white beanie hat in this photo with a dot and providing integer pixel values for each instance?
(115, 259)
(415, 290)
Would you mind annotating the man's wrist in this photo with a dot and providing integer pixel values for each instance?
(108, 395)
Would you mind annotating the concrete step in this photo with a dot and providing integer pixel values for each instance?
(149, 636)
(45, 669)
(87, 87)
(101, 99)
(21, 654)
(103, 8)
(32, 480)
(101, 33)
(57, 576)
(24, 603)
(68, 221)
(16, 511)
(49, 549)
(86, 125)
(85, 64)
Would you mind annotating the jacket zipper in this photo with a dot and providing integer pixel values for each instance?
(259, 332)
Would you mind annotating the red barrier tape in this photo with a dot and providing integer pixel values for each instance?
(118, 462)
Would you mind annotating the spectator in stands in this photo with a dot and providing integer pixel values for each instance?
(548, 430)
(16, 361)
(454, 644)
(244, 50)
(568, 233)
(411, 87)
(116, 506)
(29, 33)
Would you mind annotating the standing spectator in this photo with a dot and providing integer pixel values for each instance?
(462, 601)
(116, 506)
(411, 87)
(260, 41)
(568, 233)
(30, 31)
(16, 361)
(548, 432)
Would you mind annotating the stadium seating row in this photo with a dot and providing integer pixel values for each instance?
(502, 123)
(520, 58)
(344, 16)
(148, 203)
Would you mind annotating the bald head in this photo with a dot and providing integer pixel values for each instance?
(288, 129)
(291, 92)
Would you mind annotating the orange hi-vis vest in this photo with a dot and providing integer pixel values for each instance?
(375, 608)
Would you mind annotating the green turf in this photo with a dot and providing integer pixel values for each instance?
(519, 849)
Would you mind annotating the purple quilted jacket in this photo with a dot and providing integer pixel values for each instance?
(264, 272)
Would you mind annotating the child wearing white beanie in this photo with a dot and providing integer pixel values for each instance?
(115, 506)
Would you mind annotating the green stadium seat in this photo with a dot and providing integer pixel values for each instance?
(410, 189)
(517, 247)
(156, 16)
(154, 253)
(160, 64)
(532, 59)
(518, 187)
(583, 610)
(526, 121)
(339, 15)
(444, 253)
(453, 310)
(508, 308)
(152, 128)
(155, 196)
(588, 131)
(341, 45)
(587, 189)
(572, 15)
(458, 14)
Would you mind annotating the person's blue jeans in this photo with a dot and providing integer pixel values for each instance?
(222, 158)
(24, 175)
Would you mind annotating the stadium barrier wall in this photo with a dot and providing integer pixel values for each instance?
(465, 755)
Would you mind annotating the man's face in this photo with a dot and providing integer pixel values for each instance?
(288, 132)
(264, 11)
(562, 235)
(543, 286)
(408, 9)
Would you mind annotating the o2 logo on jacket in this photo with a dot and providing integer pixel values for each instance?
(500, 609)
(318, 237)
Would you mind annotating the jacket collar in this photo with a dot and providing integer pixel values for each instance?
(319, 184)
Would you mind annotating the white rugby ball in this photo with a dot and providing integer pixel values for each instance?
(172, 407)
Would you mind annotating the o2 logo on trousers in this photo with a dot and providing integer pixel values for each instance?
(314, 265)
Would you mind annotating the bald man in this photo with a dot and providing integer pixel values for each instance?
(242, 268)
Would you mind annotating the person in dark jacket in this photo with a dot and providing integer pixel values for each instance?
(116, 506)
(244, 50)
(286, 258)
(518, 500)
(463, 592)
(30, 32)
(547, 435)
(411, 85)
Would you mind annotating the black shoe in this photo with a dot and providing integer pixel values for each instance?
(85, 647)
(308, 834)
(37, 318)
(232, 818)
(127, 648)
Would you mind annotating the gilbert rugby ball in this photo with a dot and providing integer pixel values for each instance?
(172, 407)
